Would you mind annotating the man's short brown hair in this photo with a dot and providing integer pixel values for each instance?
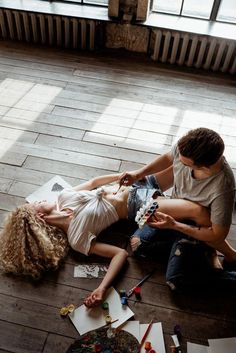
(202, 145)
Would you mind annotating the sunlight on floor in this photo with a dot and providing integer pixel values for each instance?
(155, 127)
(17, 94)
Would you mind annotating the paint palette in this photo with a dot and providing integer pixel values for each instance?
(101, 341)
(145, 212)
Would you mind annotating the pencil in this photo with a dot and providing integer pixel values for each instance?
(145, 335)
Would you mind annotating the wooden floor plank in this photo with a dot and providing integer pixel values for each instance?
(56, 343)
(9, 149)
(93, 148)
(41, 128)
(20, 339)
(64, 169)
(36, 177)
(23, 312)
(116, 75)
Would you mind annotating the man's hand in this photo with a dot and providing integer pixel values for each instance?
(161, 220)
(128, 178)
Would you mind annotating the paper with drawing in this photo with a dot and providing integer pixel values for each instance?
(49, 191)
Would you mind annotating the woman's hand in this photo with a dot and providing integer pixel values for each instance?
(95, 298)
(161, 220)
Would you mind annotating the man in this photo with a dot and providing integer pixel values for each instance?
(198, 171)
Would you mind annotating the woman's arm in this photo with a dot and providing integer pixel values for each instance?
(98, 181)
(118, 257)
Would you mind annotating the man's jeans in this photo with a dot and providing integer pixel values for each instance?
(188, 267)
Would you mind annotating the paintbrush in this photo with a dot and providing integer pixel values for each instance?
(145, 335)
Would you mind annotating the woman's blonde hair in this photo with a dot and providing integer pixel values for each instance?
(29, 246)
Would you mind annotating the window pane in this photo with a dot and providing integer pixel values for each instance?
(197, 8)
(91, 2)
(227, 11)
(96, 2)
(170, 6)
(78, 1)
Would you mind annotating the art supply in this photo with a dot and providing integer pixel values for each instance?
(105, 306)
(175, 340)
(98, 341)
(146, 334)
(114, 193)
(146, 211)
(124, 301)
(147, 346)
(137, 293)
(108, 319)
(121, 184)
(177, 331)
(122, 293)
(98, 347)
(131, 291)
(67, 310)
(109, 324)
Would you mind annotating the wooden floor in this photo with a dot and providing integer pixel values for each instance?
(82, 115)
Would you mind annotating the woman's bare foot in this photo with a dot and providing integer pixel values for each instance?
(214, 260)
(135, 242)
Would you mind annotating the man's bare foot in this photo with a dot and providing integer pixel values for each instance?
(135, 242)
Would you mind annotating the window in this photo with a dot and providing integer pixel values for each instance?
(214, 10)
(89, 2)
(199, 8)
(227, 11)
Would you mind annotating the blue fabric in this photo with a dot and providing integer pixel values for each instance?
(188, 268)
(140, 192)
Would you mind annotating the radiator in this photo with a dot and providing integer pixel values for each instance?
(60, 31)
(194, 51)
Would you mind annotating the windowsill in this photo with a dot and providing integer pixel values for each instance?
(58, 8)
(164, 21)
(192, 25)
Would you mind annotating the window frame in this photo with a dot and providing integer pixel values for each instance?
(213, 15)
(81, 2)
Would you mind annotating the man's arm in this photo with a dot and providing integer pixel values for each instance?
(214, 235)
(157, 165)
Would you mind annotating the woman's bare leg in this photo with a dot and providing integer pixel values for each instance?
(180, 210)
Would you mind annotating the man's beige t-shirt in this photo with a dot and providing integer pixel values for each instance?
(216, 192)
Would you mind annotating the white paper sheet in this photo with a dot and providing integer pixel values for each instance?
(155, 336)
(132, 327)
(197, 348)
(223, 345)
(90, 271)
(49, 191)
(86, 319)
